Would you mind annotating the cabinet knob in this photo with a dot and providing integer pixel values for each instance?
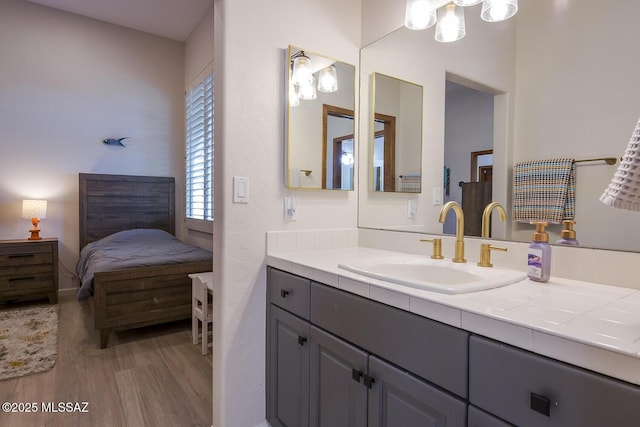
(540, 404)
(301, 340)
(368, 381)
(284, 293)
(356, 375)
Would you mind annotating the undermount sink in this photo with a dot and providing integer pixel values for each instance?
(442, 276)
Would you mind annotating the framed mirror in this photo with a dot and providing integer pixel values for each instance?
(560, 89)
(320, 130)
(396, 135)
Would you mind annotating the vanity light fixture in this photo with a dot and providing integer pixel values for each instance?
(328, 79)
(449, 18)
(347, 158)
(294, 99)
(450, 26)
(307, 91)
(301, 73)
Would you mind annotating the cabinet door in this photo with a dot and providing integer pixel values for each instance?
(398, 399)
(289, 370)
(338, 395)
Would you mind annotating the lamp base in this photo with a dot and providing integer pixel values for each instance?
(35, 231)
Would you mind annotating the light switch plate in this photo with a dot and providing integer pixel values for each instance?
(240, 189)
(290, 213)
(437, 196)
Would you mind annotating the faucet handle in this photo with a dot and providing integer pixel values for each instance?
(485, 254)
(437, 248)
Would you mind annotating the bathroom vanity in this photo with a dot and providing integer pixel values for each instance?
(337, 356)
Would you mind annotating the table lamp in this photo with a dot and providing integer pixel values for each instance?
(35, 210)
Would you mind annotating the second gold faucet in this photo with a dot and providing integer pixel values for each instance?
(459, 254)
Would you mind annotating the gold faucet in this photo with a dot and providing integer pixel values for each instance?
(486, 216)
(459, 256)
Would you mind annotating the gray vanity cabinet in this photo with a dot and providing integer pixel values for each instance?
(527, 389)
(288, 370)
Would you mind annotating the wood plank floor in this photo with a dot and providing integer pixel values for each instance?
(152, 376)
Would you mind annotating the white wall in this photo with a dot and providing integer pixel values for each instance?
(250, 59)
(67, 83)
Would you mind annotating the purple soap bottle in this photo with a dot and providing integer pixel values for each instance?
(539, 255)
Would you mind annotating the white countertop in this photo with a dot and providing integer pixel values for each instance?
(586, 324)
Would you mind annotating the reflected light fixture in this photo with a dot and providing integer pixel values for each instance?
(448, 15)
(307, 91)
(419, 14)
(450, 26)
(34, 210)
(328, 79)
(498, 10)
(301, 73)
(347, 158)
(294, 100)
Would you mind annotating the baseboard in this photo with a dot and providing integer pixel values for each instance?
(65, 292)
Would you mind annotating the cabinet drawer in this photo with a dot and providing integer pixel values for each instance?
(528, 389)
(429, 349)
(478, 418)
(21, 256)
(19, 284)
(289, 291)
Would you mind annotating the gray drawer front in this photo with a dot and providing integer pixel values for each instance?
(289, 291)
(478, 418)
(429, 349)
(502, 380)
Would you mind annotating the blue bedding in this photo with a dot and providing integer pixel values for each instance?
(132, 249)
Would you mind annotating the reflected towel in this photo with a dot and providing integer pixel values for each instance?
(624, 190)
(410, 183)
(544, 190)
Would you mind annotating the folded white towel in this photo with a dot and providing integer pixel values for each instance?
(624, 190)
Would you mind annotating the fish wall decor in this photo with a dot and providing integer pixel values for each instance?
(115, 141)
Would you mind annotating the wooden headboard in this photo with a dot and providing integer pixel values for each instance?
(112, 203)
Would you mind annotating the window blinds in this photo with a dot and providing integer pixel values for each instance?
(199, 150)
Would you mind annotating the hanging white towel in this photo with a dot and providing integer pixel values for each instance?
(624, 190)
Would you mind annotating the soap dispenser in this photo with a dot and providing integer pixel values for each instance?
(539, 257)
(568, 234)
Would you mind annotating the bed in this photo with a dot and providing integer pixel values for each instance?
(133, 297)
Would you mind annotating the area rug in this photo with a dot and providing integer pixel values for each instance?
(28, 341)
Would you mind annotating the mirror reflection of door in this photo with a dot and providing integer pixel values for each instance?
(337, 148)
(384, 153)
(469, 135)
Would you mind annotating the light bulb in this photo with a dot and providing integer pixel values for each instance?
(419, 15)
(301, 70)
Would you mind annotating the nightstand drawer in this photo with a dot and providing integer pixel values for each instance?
(30, 257)
(18, 285)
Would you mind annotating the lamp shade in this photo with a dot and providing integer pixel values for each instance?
(624, 190)
(467, 2)
(328, 79)
(307, 91)
(498, 10)
(419, 14)
(34, 209)
(451, 25)
(301, 73)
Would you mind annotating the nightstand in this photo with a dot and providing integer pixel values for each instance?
(29, 269)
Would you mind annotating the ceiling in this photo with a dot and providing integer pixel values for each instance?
(174, 19)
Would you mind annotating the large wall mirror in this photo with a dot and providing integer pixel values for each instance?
(396, 135)
(557, 80)
(320, 146)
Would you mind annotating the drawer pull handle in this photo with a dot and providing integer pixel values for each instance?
(20, 255)
(301, 340)
(356, 375)
(368, 381)
(540, 404)
(284, 293)
(16, 279)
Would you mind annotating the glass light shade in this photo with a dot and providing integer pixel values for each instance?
(498, 10)
(294, 100)
(307, 91)
(34, 209)
(328, 79)
(467, 2)
(302, 70)
(347, 159)
(419, 15)
(451, 26)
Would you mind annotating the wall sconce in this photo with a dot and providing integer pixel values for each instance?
(301, 73)
(34, 210)
(624, 190)
(449, 19)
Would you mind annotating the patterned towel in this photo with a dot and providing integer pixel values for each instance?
(544, 190)
(410, 183)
